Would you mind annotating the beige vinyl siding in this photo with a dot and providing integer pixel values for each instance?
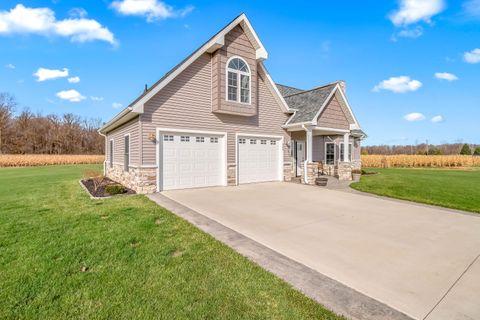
(236, 44)
(186, 103)
(318, 148)
(333, 116)
(132, 128)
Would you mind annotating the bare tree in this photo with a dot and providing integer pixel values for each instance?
(7, 107)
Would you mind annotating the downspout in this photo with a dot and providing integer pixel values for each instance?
(105, 153)
(305, 176)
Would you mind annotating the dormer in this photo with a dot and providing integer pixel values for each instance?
(235, 57)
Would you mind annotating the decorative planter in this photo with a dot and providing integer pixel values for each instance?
(321, 182)
(356, 176)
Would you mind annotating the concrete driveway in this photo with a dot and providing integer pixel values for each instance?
(420, 260)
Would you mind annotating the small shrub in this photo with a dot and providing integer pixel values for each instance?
(96, 176)
(114, 189)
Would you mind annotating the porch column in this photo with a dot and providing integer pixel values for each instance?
(346, 146)
(309, 144)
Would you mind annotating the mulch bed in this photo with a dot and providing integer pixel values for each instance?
(100, 192)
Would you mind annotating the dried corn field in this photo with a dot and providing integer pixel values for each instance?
(28, 160)
(382, 161)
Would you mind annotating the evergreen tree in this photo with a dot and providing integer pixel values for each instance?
(466, 150)
(477, 151)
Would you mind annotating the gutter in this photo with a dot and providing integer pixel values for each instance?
(119, 116)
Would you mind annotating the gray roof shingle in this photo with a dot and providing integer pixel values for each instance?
(308, 103)
(287, 90)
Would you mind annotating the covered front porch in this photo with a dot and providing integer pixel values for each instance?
(319, 151)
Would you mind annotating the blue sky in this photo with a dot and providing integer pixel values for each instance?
(388, 52)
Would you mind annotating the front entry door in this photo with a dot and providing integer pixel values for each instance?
(300, 156)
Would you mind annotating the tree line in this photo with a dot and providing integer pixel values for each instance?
(425, 149)
(29, 133)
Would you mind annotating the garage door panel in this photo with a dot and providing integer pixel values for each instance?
(189, 162)
(259, 161)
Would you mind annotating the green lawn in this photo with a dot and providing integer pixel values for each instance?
(457, 189)
(64, 256)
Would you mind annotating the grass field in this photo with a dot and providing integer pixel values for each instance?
(457, 189)
(64, 256)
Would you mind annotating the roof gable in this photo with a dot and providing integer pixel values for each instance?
(213, 44)
(308, 105)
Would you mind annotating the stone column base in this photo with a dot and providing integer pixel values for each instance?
(312, 173)
(344, 171)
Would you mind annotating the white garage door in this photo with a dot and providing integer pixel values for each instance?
(258, 159)
(191, 161)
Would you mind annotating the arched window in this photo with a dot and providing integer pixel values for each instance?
(238, 80)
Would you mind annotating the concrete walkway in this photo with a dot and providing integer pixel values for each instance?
(420, 260)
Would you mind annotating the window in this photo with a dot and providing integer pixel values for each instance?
(350, 146)
(185, 138)
(167, 138)
(126, 160)
(263, 141)
(213, 140)
(238, 81)
(273, 142)
(200, 139)
(253, 141)
(330, 153)
(111, 154)
(241, 141)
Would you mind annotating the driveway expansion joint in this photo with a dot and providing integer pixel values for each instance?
(332, 294)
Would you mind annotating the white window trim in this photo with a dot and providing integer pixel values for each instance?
(227, 69)
(159, 146)
(350, 150)
(111, 154)
(129, 149)
(334, 152)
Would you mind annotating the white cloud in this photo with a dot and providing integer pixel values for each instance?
(410, 33)
(415, 116)
(413, 11)
(472, 56)
(42, 21)
(43, 74)
(74, 79)
(446, 76)
(10, 66)
(77, 13)
(153, 10)
(96, 98)
(116, 105)
(437, 119)
(472, 8)
(70, 95)
(400, 84)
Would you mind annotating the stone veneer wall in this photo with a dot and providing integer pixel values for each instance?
(231, 174)
(312, 173)
(142, 180)
(344, 171)
(287, 171)
(356, 164)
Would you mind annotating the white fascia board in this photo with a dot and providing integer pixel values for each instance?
(112, 122)
(277, 93)
(349, 108)
(138, 107)
(315, 119)
(261, 54)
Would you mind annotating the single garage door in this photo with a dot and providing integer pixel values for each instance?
(259, 159)
(191, 160)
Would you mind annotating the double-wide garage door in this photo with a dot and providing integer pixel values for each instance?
(259, 159)
(191, 160)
